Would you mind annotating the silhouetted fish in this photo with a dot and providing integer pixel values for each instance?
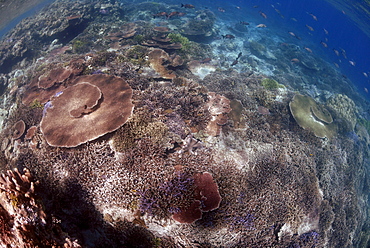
(228, 36)
(263, 14)
(294, 35)
(188, 6)
(323, 44)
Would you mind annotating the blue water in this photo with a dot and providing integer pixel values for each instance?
(342, 31)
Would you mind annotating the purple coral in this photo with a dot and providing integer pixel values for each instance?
(309, 237)
(177, 188)
(147, 202)
(244, 222)
(172, 193)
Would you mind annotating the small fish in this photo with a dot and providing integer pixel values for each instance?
(307, 49)
(277, 11)
(234, 62)
(353, 63)
(175, 13)
(238, 7)
(366, 90)
(244, 23)
(294, 35)
(228, 36)
(336, 65)
(326, 31)
(323, 44)
(237, 59)
(206, 60)
(343, 53)
(255, 6)
(261, 25)
(365, 74)
(295, 60)
(160, 14)
(263, 14)
(188, 6)
(336, 51)
(313, 16)
(221, 9)
(310, 28)
(293, 19)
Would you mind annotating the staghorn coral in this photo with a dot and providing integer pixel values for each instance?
(23, 222)
(346, 109)
(277, 167)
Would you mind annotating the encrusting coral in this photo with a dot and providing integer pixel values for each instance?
(93, 106)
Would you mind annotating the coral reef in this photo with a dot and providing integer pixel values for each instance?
(138, 135)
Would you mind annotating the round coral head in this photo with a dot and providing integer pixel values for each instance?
(93, 106)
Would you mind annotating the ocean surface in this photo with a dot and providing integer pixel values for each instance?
(217, 105)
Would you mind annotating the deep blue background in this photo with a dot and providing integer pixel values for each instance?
(343, 33)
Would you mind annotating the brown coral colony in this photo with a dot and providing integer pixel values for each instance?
(93, 106)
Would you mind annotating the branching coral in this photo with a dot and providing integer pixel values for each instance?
(23, 222)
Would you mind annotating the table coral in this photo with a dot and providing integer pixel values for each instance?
(310, 115)
(219, 107)
(93, 106)
(18, 129)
